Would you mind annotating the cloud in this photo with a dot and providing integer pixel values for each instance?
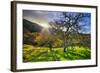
(44, 17)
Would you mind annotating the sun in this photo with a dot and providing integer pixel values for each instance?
(44, 25)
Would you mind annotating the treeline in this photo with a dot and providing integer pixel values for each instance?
(43, 40)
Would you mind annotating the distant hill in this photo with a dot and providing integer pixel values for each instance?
(29, 26)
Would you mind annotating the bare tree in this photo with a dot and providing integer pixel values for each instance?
(67, 24)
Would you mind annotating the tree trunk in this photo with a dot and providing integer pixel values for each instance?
(65, 43)
(50, 46)
(64, 49)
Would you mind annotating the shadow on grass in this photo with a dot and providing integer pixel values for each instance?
(42, 55)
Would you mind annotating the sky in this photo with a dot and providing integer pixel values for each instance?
(44, 17)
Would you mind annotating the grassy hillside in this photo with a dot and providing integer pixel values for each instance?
(41, 54)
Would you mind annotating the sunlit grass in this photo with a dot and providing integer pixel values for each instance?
(40, 54)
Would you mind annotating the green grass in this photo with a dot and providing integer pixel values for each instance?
(41, 54)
